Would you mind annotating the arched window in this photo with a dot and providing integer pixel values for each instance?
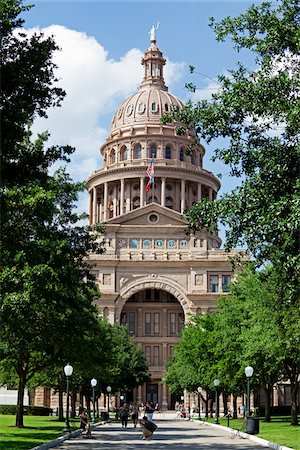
(137, 151)
(181, 154)
(168, 152)
(136, 202)
(112, 156)
(153, 151)
(124, 153)
(194, 158)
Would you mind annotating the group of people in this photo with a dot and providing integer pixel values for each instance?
(133, 410)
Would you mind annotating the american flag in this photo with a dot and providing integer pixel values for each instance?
(150, 174)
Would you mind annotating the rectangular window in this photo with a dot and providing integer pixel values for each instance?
(180, 322)
(156, 355)
(214, 283)
(131, 322)
(156, 323)
(148, 354)
(172, 324)
(147, 323)
(225, 282)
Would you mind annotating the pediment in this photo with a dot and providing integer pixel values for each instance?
(146, 215)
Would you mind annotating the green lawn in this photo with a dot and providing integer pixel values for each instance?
(278, 430)
(37, 430)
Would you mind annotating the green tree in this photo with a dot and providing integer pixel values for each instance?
(47, 291)
(257, 111)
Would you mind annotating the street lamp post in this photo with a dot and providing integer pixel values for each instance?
(216, 384)
(68, 369)
(108, 389)
(249, 373)
(199, 389)
(121, 399)
(93, 384)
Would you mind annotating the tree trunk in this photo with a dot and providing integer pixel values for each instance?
(235, 415)
(73, 405)
(294, 410)
(267, 390)
(20, 402)
(60, 405)
(211, 409)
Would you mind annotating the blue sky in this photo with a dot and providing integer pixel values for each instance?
(99, 63)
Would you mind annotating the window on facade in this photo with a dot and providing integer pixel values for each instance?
(214, 283)
(138, 151)
(172, 323)
(225, 282)
(156, 355)
(125, 153)
(153, 107)
(148, 294)
(148, 323)
(181, 154)
(168, 152)
(131, 322)
(148, 354)
(124, 319)
(169, 202)
(153, 151)
(166, 107)
(156, 323)
(180, 322)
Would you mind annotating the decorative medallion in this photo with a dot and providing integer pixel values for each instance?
(183, 243)
(171, 243)
(134, 243)
(147, 243)
(159, 243)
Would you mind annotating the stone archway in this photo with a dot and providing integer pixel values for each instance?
(152, 282)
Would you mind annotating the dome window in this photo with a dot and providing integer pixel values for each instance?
(154, 107)
(136, 202)
(169, 202)
(141, 108)
(124, 154)
(129, 110)
(166, 107)
(136, 187)
(169, 187)
(119, 114)
(168, 152)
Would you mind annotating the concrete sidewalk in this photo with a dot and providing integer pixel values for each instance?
(174, 434)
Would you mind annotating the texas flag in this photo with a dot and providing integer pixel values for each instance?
(150, 174)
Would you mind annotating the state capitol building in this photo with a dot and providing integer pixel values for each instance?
(153, 275)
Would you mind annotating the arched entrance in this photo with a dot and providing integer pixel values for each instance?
(155, 318)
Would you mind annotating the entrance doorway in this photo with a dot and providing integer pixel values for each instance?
(152, 392)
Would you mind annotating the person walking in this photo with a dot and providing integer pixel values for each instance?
(149, 410)
(135, 414)
(124, 413)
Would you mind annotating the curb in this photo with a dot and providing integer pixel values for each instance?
(250, 437)
(58, 441)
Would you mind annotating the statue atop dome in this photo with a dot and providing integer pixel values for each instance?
(152, 32)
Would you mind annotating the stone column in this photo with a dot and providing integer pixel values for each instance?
(105, 202)
(100, 212)
(182, 204)
(164, 402)
(122, 197)
(210, 193)
(140, 322)
(94, 205)
(91, 207)
(139, 395)
(115, 202)
(163, 192)
(199, 195)
(142, 191)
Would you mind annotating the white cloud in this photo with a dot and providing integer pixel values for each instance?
(95, 87)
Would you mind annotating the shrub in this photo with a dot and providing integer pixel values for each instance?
(28, 410)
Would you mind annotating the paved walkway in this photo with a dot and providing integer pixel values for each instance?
(174, 434)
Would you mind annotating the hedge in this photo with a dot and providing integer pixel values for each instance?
(28, 410)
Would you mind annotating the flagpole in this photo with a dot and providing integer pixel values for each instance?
(153, 179)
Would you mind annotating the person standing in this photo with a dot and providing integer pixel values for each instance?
(124, 413)
(149, 410)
